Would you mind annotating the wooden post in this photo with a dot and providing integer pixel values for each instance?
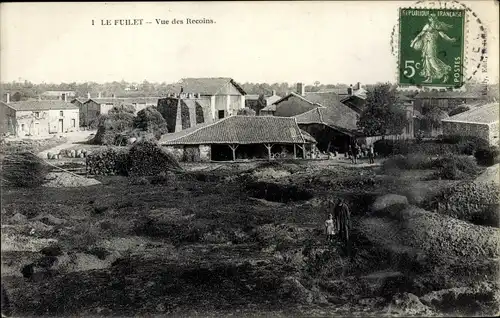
(268, 147)
(233, 148)
(294, 151)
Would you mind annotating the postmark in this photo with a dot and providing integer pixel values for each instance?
(431, 47)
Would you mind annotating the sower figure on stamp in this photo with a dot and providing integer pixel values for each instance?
(426, 41)
(343, 224)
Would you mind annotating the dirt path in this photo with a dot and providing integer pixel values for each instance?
(72, 138)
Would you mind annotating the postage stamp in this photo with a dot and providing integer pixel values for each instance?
(431, 47)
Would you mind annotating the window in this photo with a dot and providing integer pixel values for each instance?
(37, 114)
(73, 123)
(61, 113)
(221, 114)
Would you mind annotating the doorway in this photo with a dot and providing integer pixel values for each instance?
(61, 126)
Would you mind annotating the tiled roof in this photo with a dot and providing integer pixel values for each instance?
(342, 120)
(128, 100)
(41, 105)
(447, 94)
(272, 99)
(485, 114)
(204, 85)
(269, 108)
(241, 130)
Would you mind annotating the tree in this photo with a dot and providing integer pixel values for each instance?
(382, 114)
(149, 119)
(246, 112)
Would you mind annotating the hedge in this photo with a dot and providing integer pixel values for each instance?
(477, 203)
(147, 158)
(24, 169)
(111, 161)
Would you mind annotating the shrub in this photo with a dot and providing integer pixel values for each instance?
(123, 108)
(149, 119)
(246, 112)
(467, 145)
(477, 203)
(110, 125)
(412, 161)
(455, 167)
(383, 147)
(111, 161)
(147, 158)
(487, 156)
(24, 169)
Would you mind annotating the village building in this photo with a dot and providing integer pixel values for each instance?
(93, 107)
(241, 138)
(481, 121)
(192, 101)
(39, 117)
(257, 103)
(58, 94)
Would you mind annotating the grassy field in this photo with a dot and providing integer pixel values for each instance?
(208, 244)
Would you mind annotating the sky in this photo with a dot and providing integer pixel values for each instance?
(330, 42)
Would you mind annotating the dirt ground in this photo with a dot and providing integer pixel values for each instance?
(208, 244)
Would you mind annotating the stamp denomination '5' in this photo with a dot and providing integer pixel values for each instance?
(431, 47)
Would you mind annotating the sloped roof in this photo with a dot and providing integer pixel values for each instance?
(241, 130)
(272, 99)
(204, 85)
(344, 121)
(130, 100)
(447, 94)
(269, 108)
(485, 114)
(36, 105)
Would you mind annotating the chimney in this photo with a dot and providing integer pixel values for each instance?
(65, 97)
(349, 90)
(273, 93)
(190, 95)
(358, 86)
(88, 95)
(99, 95)
(113, 96)
(7, 98)
(300, 89)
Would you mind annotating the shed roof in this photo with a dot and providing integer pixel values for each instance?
(240, 130)
(485, 114)
(36, 105)
(204, 85)
(337, 119)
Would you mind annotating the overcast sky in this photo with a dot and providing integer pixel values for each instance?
(330, 42)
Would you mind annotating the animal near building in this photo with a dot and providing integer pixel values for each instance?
(39, 117)
(201, 100)
(239, 138)
(481, 122)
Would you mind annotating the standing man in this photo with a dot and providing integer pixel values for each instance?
(371, 154)
(343, 223)
(355, 153)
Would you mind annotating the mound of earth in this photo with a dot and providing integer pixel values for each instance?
(68, 180)
(491, 174)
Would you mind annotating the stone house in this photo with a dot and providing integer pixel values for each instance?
(219, 98)
(240, 138)
(481, 122)
(39, 117)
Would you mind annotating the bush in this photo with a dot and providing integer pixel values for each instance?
(111, 125)
(412, 161)
(246, 112)
(147, 158)
(24, 169)
(487, 156)
(467, 145)
(383, 147)
(477, 203)
(149, 119)
(111, 161)
(123, 108)
(455, 167)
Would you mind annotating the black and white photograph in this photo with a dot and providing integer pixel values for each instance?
(250, 159)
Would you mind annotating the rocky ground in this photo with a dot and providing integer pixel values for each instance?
(244, 239)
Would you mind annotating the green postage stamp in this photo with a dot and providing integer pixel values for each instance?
(431, 47)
